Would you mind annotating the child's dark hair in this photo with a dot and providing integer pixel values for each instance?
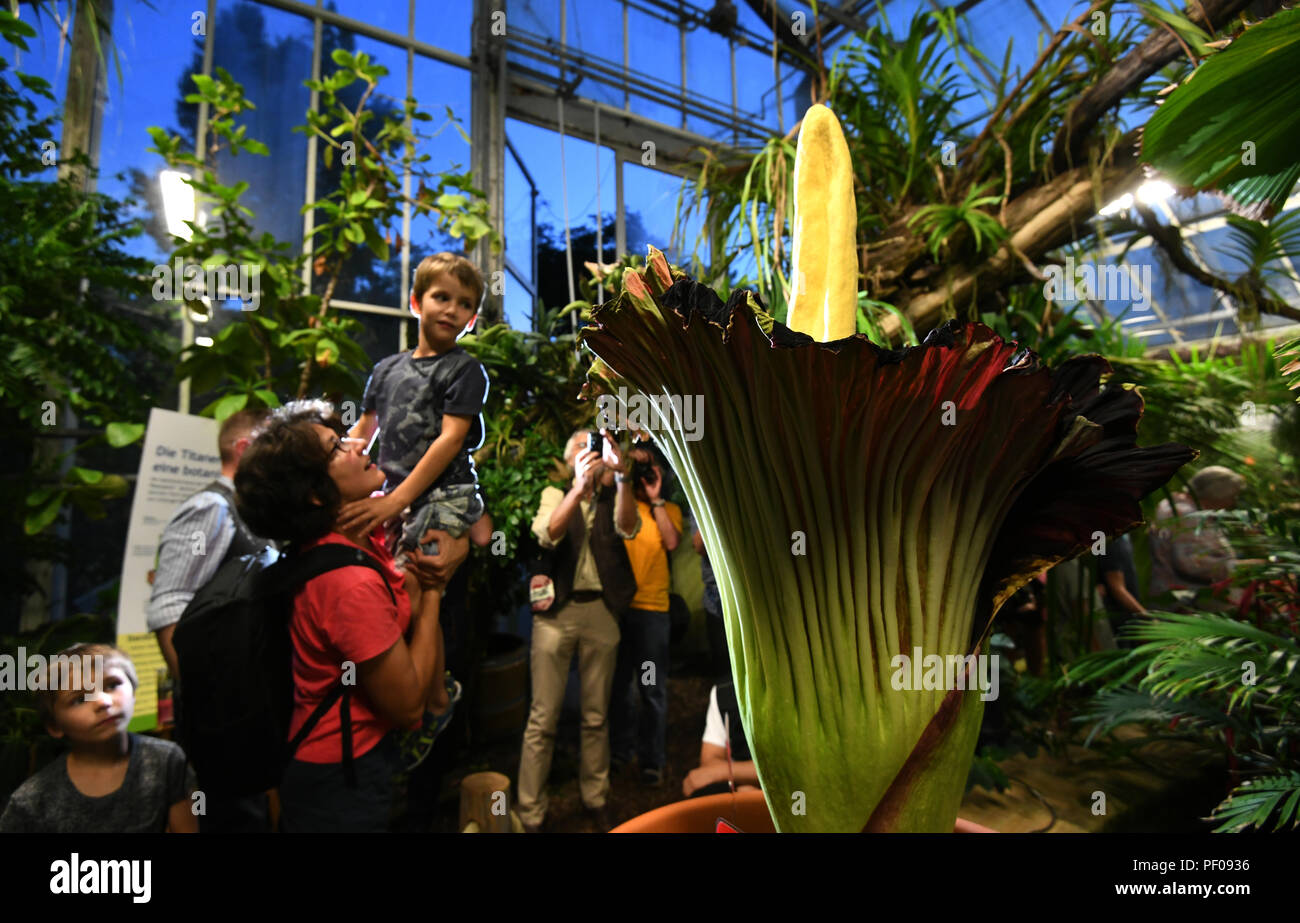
(283, 488)
(455, 265)
(47, 697)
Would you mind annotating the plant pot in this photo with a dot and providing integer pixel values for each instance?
(746, 810)
(501, 698)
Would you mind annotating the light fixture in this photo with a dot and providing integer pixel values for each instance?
(178, 203)
(1148, 193)
(203, 341)
(1153, 191)
(1123, 203)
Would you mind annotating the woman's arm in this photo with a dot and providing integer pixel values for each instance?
(397, 682)
(713, 768)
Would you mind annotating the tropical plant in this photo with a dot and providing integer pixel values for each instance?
(1235, 127)
(1288, 357)
(80, 340)
(1211, 677)
(940, 222)
(847, 457)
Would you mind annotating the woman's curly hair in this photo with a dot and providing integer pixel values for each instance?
(283, 488)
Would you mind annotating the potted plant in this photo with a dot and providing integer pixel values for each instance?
(867, 510)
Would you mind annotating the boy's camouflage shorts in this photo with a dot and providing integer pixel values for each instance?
(451, 509)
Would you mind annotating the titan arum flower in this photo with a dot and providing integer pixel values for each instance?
(860, 503)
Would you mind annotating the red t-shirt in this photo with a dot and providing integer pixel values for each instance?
(345, 614)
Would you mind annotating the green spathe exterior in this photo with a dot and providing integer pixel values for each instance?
(858, 503)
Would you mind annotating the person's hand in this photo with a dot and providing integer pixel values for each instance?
(435, 571)
(540, 580)
(613, 454)
(587, 469)
(701, 776)
(364, 515)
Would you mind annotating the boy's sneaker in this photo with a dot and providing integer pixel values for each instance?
(417, 744)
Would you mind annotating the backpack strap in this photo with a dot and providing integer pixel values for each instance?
(219, 488)
(295, 571)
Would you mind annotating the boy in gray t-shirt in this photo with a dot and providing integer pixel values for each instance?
(109, 781)
(427, 405)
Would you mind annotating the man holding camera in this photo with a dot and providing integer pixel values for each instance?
(578, 607)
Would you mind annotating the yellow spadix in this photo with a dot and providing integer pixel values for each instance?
(824, 283)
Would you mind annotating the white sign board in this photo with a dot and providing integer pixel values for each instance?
(179, 458)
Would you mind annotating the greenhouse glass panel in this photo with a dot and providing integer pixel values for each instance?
(755, 86)
(708, 74)
(439, 87)
(271, 60)
(518, 216)
(653, 197)
(517, 303)
(384, 14)
(536, 20)
(596, 28)
(445, 25)
(654, 54)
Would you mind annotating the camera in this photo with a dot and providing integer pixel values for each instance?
(643, 471)
(593, 442)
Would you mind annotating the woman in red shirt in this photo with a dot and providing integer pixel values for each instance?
(293, 480)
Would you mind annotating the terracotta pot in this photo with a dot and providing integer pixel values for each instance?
(747, 810)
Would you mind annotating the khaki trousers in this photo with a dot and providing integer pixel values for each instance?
(594, 632)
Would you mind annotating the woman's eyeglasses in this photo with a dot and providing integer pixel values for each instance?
(339, 444)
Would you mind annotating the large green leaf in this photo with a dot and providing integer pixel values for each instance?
(1235, 124)
(120, 434)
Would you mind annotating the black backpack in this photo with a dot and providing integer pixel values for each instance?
(236, 664)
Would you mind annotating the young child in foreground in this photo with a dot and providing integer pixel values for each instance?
(427, 405)
(110, 780)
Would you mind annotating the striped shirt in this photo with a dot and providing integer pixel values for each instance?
(193, 544)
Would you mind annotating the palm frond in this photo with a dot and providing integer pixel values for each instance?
(1255, 802)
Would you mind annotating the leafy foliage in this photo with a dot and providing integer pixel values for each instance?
(941, 222)
(1218, 678)
(1246, 92)
(77, 330)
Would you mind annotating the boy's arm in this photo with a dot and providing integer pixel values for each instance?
(365, 427)
(368, 513)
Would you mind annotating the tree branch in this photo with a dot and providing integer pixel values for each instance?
(1170, 239)
(1154, 52)
(1039, 220)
